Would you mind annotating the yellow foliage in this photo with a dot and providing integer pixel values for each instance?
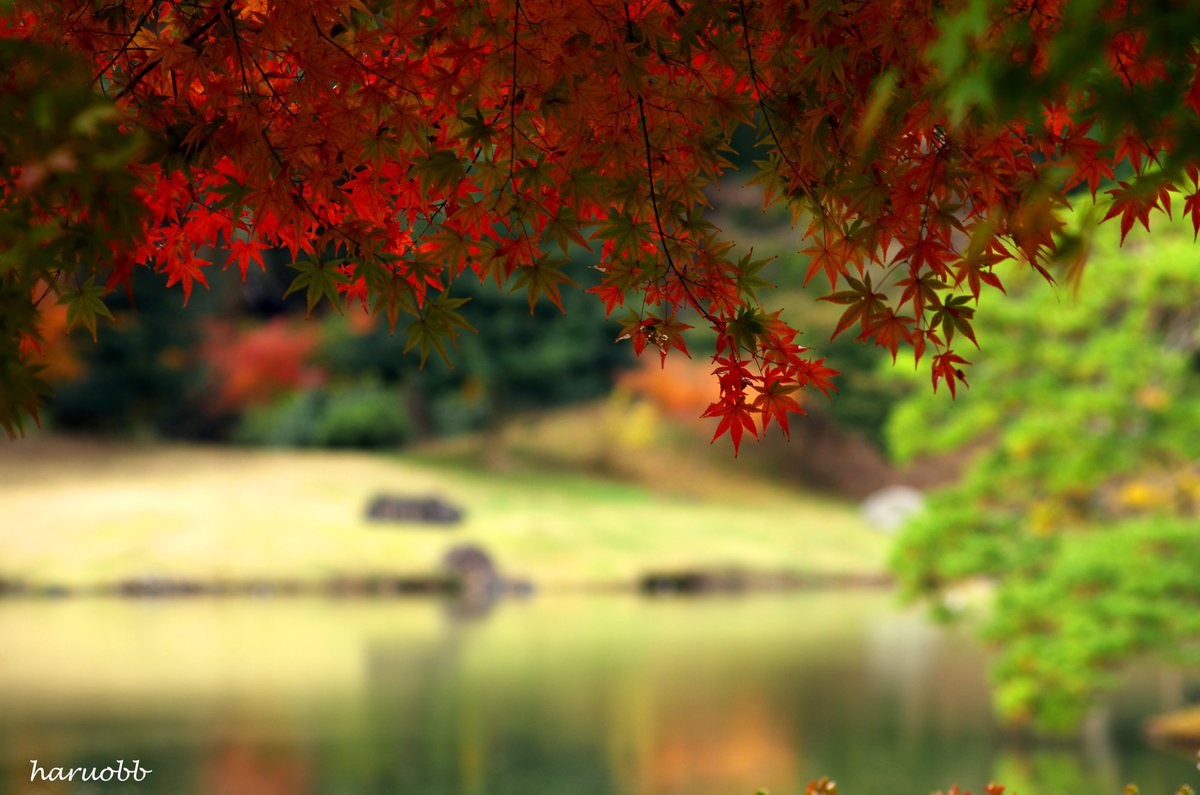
(1152, 398)
(1144, 495)
(1021, 449)
(1188, 481)
(634, 423)
(1044, 517)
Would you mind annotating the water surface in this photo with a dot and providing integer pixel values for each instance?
(555, 695)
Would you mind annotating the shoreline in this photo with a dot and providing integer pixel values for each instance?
(675, 582)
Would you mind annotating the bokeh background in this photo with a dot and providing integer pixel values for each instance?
(268, 553)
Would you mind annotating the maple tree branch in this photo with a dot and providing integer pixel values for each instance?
(718, 324)
(283, 105)
(512, 103)
(237, 46)
(544, 147)
(124, 48)
(1150, 153)
(252, 95)
(56, 274)
(365, 66)
(191, 39)
(663, 237)
(302, 201)
(759, 91)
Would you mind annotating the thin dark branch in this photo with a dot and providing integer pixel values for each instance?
(683, 280)
(124, 48)
(190, 41)
(512, 103)
(364, 66)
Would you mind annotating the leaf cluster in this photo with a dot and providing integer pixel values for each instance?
(923, 152)
(66, 203)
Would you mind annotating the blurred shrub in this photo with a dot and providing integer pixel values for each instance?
(519, 360)
(362, 415)
(286, 422)
(681, 388)
(215, 372)
(866, 393)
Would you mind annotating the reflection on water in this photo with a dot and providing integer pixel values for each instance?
(605, 695)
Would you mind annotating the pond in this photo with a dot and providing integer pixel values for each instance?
(553, 695)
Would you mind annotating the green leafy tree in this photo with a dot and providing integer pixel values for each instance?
(1082, 504)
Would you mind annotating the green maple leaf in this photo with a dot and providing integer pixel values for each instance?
(84, 305)
(441, 170)
(563, 228)
(439, 321)
(543, 278)
(747, 327)
(625, 233)
(476, 130)
(319, 279)
(748, 279)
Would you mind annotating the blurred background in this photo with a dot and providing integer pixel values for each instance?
(263, 553)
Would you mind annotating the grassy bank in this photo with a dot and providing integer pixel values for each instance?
(85, 513)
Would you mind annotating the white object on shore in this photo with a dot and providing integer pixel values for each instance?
(889, 508)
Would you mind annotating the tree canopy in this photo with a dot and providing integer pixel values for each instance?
(392, 149)
(1081, 503)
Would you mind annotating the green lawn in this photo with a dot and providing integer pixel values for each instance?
(83, 513)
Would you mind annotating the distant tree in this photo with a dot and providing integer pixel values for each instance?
(514, 362)
(396, 148)
(143, 374)
(1083, 502)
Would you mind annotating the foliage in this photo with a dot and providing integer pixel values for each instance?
(324, 384)
(865, 397)
(865, 392)
(1083, 502)
(215, 370)
(517, 361)
(358, 415)
(827, 786)
(144, 375)
(66, 202)
(392, 148)
(254, 364)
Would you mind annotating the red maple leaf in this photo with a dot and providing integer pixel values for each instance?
(736, 417)
(775, 401)
(186, 271)
(243, 251)
(1135, 203)
(945, 367)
